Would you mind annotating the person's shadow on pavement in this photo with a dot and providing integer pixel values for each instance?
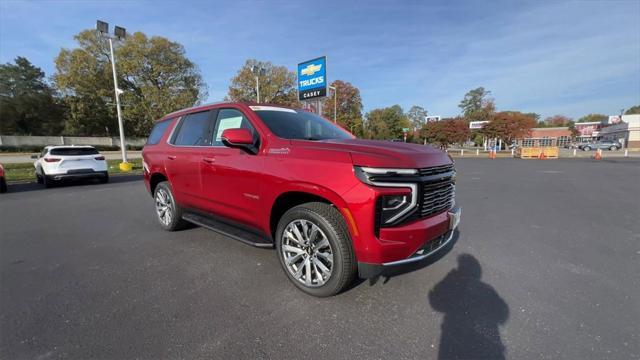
(472, 310)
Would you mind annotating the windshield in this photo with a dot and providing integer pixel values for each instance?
(300, 125)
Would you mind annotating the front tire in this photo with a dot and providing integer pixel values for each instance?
(3, 185)
(314, 248)
(613, 148)
(168, 213)
(586, 148)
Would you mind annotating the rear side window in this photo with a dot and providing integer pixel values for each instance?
(194, 130)
(157, 131)
(70, 151)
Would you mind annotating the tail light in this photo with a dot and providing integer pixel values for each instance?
(52, 159)
(99, 158)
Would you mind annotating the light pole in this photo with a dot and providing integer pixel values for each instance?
(335, 103)
(258, 71)
(119, 33)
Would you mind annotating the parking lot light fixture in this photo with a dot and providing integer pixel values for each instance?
(119, 34)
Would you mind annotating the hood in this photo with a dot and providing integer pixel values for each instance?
(377, 153)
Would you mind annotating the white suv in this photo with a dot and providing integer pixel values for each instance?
(69, 162)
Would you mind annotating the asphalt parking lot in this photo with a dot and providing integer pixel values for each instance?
(546, 266)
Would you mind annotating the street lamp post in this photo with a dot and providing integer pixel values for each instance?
(119, 33)
(335, 103)
(257, 71)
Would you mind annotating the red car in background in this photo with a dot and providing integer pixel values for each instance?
(332, 205)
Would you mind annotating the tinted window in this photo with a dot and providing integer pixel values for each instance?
(71, 151)
(230, 119)
(157, 131)
(293, 124)
(194, 130)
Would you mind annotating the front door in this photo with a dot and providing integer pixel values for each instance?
(230, 177)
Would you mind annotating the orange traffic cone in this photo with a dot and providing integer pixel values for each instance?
(542, 156)
(598, 155)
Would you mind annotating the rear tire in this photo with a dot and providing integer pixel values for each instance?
(104, 179)
(3, 185)
(613, 148)
(168, 213)
(323, 223)
(586, 148)
(46, 181)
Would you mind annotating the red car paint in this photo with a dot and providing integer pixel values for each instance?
(244, 187)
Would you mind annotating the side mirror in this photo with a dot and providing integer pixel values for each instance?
(34, 156)
(239, 138)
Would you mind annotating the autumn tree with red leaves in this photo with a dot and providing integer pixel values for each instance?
(446, 132)
(508, 126)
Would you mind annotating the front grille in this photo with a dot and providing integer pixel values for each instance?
(436, 170)
(437, 197)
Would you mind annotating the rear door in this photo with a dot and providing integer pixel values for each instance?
(231, 177)
(188, 143)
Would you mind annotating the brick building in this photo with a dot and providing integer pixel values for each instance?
(555, 136)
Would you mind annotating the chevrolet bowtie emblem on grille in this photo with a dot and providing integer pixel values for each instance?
(311, 69)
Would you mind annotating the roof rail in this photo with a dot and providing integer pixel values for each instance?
(196, 107)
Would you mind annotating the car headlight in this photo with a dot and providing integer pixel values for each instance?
(392, 207)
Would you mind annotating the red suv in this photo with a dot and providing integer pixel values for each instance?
(332, 205)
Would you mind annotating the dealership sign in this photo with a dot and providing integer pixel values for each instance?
(474, 125)
(312, 79)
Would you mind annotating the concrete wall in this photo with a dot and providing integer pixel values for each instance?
(17, 141)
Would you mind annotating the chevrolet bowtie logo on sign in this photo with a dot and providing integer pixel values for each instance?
(312, 79)
(311, 69)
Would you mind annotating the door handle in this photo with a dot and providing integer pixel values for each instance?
(209, 160)
(171, 157)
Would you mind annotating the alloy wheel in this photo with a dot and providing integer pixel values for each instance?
(163, 207)
(307, 253)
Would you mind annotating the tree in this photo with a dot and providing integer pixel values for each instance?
(633, 110)
(508, 126)
(593, 118)
(154, 74)
(572, 128)
(477, 105)
(446, 132)
(557, 120)
(27, 102)
(387, 123)
(277, 84)
(349, 109)
(417, 116)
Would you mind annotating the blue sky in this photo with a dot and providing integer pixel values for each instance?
(549, 57)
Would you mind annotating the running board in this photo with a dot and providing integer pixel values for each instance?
(245, 236)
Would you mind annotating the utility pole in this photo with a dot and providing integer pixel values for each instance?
(335, 103)
(119, 33)
(257, 72)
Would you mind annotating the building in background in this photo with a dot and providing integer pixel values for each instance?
(589, 131)
(554, 136)
(627, 131)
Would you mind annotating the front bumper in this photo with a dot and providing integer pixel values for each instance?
(428, 249)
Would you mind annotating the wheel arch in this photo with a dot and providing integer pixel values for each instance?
(154, 180)
(294, 197)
